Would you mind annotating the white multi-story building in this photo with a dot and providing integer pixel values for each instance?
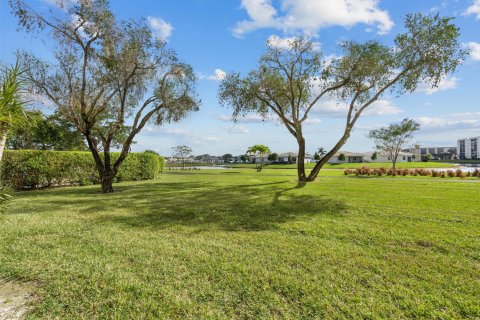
(468, 148)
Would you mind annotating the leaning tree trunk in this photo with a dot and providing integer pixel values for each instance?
(302, 177)
(316, 170)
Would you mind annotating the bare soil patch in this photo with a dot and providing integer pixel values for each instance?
(15, 299)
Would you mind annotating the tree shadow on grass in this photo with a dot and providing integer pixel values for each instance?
(202, 205)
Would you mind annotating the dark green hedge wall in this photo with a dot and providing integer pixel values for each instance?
(36, 168)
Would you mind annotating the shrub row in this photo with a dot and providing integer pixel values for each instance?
(29, 169)
(366, 171)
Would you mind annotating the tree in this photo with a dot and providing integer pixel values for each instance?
(227, 157)
(182, 153)
(258, 150)
(319, 154)
(290, 81)
(374, 156)
(272, 157)
(429, 157)
(391, 139)
(42, 132)
(243, 158)
(110, 79)
(12, 84)
(341, 157)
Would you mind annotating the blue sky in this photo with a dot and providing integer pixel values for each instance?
(229, 35)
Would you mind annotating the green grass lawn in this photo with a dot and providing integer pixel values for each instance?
(400, 165)
(246, 245)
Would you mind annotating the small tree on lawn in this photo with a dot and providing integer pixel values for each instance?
(110, 78)
(291, 80)
(429, 157)
(319, 154)
(227, 157)
(374, 156)
(272, 157)
(391, 139)
(182, 153)
(341, 157)
(258, 150)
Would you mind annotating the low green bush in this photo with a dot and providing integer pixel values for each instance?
(31, 169)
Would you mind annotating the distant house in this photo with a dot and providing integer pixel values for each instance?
(291, 157)
(261, 159)
(350, 157)
(383, 157)
(287, 157)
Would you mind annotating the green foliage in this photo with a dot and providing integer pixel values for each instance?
(319, 154)
(391, 139)
(273, 157)
(35, 168)
(341, 157)
(11, 104)
(110, 77)
(42, 132)
(374, 156)
(290, 80)
(258, 149)
(227, 156)
(5, 195)
(429, 156)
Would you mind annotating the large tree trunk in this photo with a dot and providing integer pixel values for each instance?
(104, 167)
(3, 141)
(302, 177)
(316, 170)
(106, 178)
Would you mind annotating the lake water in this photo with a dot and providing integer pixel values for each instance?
(200, 168)
(463, 167)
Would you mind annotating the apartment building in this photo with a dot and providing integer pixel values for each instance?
(468, 148)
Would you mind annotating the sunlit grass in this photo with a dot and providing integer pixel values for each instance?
(240, 244)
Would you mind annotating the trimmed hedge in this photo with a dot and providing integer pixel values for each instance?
(31, 169)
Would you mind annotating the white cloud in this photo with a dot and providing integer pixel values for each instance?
(310, 16)
(285, 43)
(445, 84)
(236, 130)
(335, 109)
(463, 123)
(474, 50)
(161, 29)
(219, 75)
(466, 120)
(189, 137)
(474, 9)
(381, 107)
(312, 121)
